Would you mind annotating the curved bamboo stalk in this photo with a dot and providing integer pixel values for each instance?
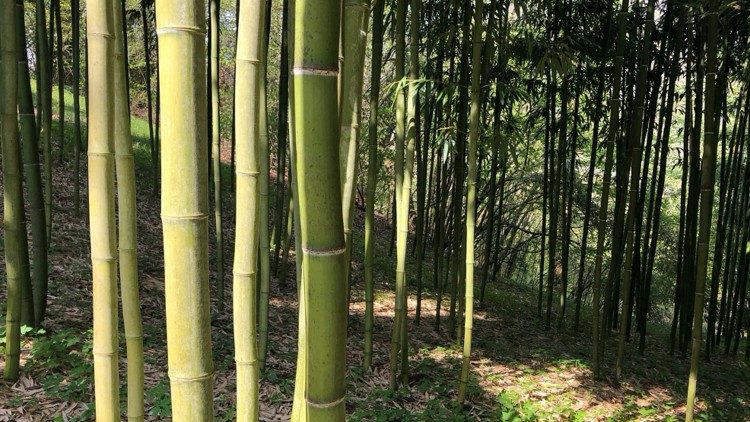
(101, 169)
(127, 235)
(184, 205)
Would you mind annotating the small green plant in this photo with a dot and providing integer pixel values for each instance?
(158, 397)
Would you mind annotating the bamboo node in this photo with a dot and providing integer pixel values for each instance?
(176, 29)
(90, 34)
(197, 378)
(327, 405)
(314, 71)
(246, 362)
(178, 218)
(323, 252)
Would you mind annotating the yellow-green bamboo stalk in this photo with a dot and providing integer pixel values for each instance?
(184, 205)
(101, 185)
(400, 308)
(216, 150)
(247, 171)
(127, 239)
(13, 212)
(471, 192)
(316, 140)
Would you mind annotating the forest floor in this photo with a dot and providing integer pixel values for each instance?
(519, 371)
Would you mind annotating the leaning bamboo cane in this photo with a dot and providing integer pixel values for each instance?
(184, 205)
(316, 130)
(126, 208)
(247, 120)
(102, 207)
(31, 168)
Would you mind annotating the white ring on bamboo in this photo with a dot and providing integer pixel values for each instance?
(175, 29)
(313, 71)
(323, 252)
(325, 405)
(196, 378)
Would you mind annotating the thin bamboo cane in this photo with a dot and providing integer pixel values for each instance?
(127, 217)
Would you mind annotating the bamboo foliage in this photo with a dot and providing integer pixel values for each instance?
(316, 138)
(101, 167)
(184, 205)
(127, 235)
(247, 172)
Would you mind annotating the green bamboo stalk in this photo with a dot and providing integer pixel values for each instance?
(400, 308)
(614, 118)
(356, 19)
(76, 18)
(636, 126)
(149, 101)
(264, 238)
(184, 205)
(412, 126)
(471, 192)
(316, 135)
(45, 74)
(31, 169)
(708, 166)
(127, 235)
(214, 7)
(101, 168)
(14, 227)
(60, 78)
(372, 172)
(247, 128)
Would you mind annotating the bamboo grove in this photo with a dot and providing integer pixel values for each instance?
(594, 152)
